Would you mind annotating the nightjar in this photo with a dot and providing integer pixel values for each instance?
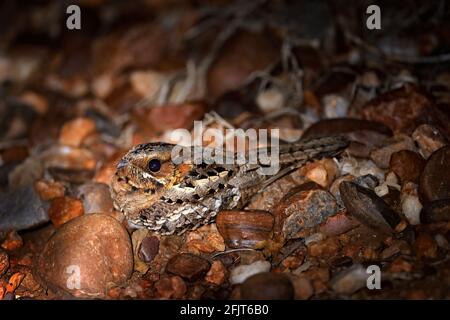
(157, 192)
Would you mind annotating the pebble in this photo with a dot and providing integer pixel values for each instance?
(75, 131)
(4, 262)
(400, 109)
(411, 206)
(407, 165)
(426, 246)
(382, 155)
(393, 250)
(22, 209)
(324, 249)
(302, 210)
(367, 207)
(171, 287)
(205, 239)
(270, 100)
(440, 240)
(303, 288)
(96, 197)
(168, 117)
(64, 209)
(350, 280)
(97, 246)
(429, 139)
(335, 106)
(217, 274)
(49, 190)
(148, 248)
(188, 266)
(147, 83)
(245, 53)
(436, 211)
(245, 229)
(435, 178)
(12, 241)
(267, 286)
(322, 172)
(243, 272)
(136, 239)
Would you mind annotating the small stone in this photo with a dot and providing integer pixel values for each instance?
(368, 181)
(246, 52)
(429, 139)
(95, 246)
(13, 241)
(426, 246)
(302, 210)
(441, 241)
(38, 102)
(147, 83)
(21, 209)
(205, 239)
(367, 207)
(325, 249)
(335, 106)
(243, 272)
(64, 209)
(245, 229)
(302, 287)
(397, 247)
(400, 265)
(382, 155)
(407, 165)
(4, 262)
(270, 100)
(267, 286)
(188, 266)
(169, 117)
(171, 287)
(49, 190)
(435, 178)
(400, 109)
(75, 131)
(436, 211)
(96, 197)
(322, 172)
(148, 249)
(217, 274)
(411, 206)
(350, 280)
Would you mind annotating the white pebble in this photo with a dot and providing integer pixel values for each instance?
(270, 100)
(411, 208)
(335, 106)
(381, 190)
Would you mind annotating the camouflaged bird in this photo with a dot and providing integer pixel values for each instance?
(155, 192)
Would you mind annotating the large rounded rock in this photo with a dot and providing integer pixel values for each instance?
(85, 256)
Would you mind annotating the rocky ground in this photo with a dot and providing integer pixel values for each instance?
(73, 102)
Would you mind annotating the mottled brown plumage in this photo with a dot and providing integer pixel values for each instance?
(156, 192)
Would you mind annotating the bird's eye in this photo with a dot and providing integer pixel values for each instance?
(154, 165)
